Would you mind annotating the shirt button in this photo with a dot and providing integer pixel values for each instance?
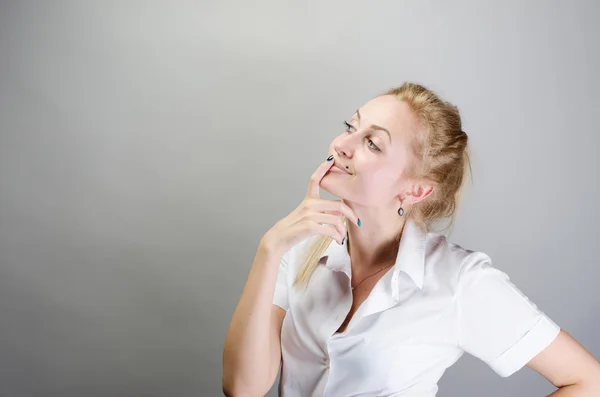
(327, 362)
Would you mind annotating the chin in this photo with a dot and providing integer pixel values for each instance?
(336, 188)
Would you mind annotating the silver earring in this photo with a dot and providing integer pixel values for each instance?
(401, 210)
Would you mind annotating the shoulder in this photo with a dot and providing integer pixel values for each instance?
(454, 264)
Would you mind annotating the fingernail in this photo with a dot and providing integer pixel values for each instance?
(330, 158)
(344, 239)
(359, 222)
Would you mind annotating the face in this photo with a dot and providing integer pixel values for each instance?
(375, 149)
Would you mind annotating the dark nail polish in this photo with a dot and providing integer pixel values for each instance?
(344, 239)
(359, 222)
(330, 158)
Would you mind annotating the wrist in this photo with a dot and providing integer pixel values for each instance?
(268, 250)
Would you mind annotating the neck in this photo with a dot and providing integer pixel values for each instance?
(375, 242)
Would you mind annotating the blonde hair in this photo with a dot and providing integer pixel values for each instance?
(442, 159)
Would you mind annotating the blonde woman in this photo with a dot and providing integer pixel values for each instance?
(360, 297)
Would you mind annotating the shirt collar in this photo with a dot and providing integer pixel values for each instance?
(410, 258)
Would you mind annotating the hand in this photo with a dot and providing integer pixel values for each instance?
(314, 216)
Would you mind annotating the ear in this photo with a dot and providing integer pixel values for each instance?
(417, 192)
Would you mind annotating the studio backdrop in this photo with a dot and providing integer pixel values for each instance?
(147, 146)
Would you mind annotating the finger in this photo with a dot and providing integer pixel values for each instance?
(315, 180)
(332, 220)
(327, 230)
(334, 205)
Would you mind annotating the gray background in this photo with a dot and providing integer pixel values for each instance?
(145, 147)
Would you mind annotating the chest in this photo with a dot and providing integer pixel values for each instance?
(370, 332)
(359, 295)
(328, 307)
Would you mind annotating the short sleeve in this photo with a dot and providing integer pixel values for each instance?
(497, 323)
(280, 297)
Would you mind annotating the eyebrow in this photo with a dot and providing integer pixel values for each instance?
(376, 127)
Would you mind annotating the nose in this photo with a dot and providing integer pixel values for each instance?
(344, 146)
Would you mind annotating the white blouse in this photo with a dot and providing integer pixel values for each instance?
(438, 301)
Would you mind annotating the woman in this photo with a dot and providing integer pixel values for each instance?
(389, 305)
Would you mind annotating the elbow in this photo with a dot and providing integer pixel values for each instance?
(233, 386)
(238, 390)
(583, 389)
(248, 379)
(230, 389)
(589, 386)
(593, 386)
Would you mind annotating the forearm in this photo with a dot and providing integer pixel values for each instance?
(250, 354)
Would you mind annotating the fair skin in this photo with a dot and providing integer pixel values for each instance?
(375, 163)
(376, 185)
(372, 189)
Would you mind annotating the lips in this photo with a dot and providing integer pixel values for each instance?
(341, 168)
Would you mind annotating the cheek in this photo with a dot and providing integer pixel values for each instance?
(377, 182)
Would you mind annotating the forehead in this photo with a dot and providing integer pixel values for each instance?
(388, 112)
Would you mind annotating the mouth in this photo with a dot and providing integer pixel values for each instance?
(337, 168)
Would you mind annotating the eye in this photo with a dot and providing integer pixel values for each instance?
(373, 146)
(370, 142)
(348, 126)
